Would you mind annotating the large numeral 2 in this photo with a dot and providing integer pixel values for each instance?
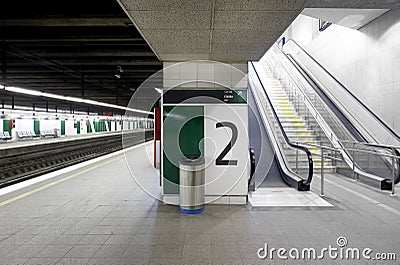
(220, 159)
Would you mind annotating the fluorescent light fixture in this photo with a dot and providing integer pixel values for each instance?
(23, 91)
(72, 99)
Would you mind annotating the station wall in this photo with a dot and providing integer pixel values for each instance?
(70, 128)
(23, 125)
(204, 74)
(366, 61)
(46, 124)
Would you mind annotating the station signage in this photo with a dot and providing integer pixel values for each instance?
(209, 123)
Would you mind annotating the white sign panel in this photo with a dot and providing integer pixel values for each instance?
(226, 149)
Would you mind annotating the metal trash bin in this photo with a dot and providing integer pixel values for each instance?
(191, 184)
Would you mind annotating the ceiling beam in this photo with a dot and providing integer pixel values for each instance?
(68, 22)
(49, 54)
(63, 77)
(78, 63)
(33, 69)
(81, 41)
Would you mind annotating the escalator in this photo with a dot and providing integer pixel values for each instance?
(291, 163)
(330, 115)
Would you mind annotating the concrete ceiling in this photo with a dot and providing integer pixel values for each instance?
(221, 30)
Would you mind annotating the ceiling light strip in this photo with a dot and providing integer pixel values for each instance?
(71, 99)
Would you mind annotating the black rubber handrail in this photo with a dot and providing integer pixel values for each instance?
(306, 183)
(348, 91)
(252, 169)
(396, 153)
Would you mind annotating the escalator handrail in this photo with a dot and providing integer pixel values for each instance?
(252, 167)
(286, 138)
(348, 91)
(387, 147)
(397, 153)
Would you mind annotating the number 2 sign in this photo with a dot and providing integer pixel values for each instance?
(219, 161)
(226, 149)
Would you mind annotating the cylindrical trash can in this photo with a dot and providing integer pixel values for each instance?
(191, 184)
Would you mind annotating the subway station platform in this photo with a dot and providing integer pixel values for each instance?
(120, 120)
(95, 213)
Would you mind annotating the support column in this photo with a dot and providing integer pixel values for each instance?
(4, 63)
(82, 85)
(204, 113)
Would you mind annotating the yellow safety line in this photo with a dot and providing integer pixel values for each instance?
(54, 183)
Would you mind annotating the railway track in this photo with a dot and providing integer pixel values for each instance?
(21, 163)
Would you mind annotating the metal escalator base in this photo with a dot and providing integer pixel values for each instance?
(382, 184)
(273, 179)
(285, 197)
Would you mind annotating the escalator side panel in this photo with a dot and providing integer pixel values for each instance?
(268, 171)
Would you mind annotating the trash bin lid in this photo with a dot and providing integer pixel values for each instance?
(192, 160)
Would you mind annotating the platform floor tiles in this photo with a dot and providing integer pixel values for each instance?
(99, 215)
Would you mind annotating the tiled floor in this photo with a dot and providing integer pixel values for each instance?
(102, 217)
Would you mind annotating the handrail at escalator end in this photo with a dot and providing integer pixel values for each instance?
(251, 184)
(397, 177)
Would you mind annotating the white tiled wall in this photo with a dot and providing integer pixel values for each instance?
(125, 125)
(366, 61)
(49, 124)
(204, 74)
(23, 124)
(83, 127)
(70, 127)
